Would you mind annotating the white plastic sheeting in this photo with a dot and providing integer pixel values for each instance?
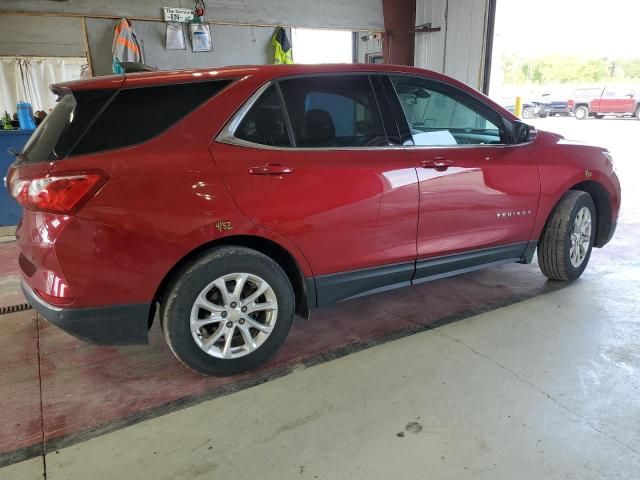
(28, 78)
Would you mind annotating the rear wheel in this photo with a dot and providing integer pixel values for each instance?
(227, 312)
(581, 113)
(638, 113)
(565, 246)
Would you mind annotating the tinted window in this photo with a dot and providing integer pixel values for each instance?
(62, 128)
(265, 123)
(439, 117)
(336, 111)
(138, 114)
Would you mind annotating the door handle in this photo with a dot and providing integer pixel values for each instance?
(270, 169)
(439, 164)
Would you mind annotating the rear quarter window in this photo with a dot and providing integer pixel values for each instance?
(137, 115)
(63, 127)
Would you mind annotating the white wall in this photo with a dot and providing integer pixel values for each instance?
(458, 49)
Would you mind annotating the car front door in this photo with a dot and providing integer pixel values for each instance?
(478, 192)
(311, 161)
(615, 101)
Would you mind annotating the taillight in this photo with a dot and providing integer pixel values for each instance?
(62, 194)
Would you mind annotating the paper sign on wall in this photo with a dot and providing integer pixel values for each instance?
(200, 37)
(175, 37)
(182, 15)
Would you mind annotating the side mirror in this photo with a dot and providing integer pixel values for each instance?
(523, 133)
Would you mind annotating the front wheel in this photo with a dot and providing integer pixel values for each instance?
(527, 112)
(565, 246)
(228, 311)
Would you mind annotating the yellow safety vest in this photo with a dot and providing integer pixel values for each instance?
(282, 45)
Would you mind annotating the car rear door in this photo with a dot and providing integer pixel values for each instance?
(477, 192)
(310, 160)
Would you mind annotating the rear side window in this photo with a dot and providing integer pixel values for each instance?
(66, 123)
(265, 123)
(333, 111)
(138, 114)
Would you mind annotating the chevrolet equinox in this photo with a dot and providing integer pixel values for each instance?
(231, 199)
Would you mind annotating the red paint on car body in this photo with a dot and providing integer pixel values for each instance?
(164, 197)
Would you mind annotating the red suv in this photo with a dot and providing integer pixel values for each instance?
(233, 198)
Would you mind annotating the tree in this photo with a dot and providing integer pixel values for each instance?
(563, 69)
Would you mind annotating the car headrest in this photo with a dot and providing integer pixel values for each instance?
(319, 127)
(269, 126)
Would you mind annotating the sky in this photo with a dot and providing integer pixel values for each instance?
(592, 28)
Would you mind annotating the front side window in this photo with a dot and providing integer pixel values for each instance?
(438, 117)
(333, 111)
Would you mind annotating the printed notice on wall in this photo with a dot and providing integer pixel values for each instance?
(200, 37)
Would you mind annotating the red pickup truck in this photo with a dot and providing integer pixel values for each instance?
(598, 102)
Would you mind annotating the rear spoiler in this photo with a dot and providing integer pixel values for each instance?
(111, 82)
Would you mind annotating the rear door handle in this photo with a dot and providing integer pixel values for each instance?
(270, 169)
(439, 164)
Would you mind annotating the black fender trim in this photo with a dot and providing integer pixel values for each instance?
(110, 325)
(528, 253)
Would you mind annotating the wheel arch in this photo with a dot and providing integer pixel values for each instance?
(304, 292)
(602, 202)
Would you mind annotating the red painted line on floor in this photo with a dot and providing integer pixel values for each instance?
(20, 420)
(8, 259)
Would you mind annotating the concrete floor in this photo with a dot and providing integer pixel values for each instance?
(546, 387)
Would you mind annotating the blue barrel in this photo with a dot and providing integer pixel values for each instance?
(10, 210)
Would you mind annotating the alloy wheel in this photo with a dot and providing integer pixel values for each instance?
(233, 315)
(580, 237)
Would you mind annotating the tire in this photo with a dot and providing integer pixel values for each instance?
(236, 344)
(638, 114)
(581, 113)
(527, 112)
(555, 246)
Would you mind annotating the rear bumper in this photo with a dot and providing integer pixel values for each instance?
(112, 325)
